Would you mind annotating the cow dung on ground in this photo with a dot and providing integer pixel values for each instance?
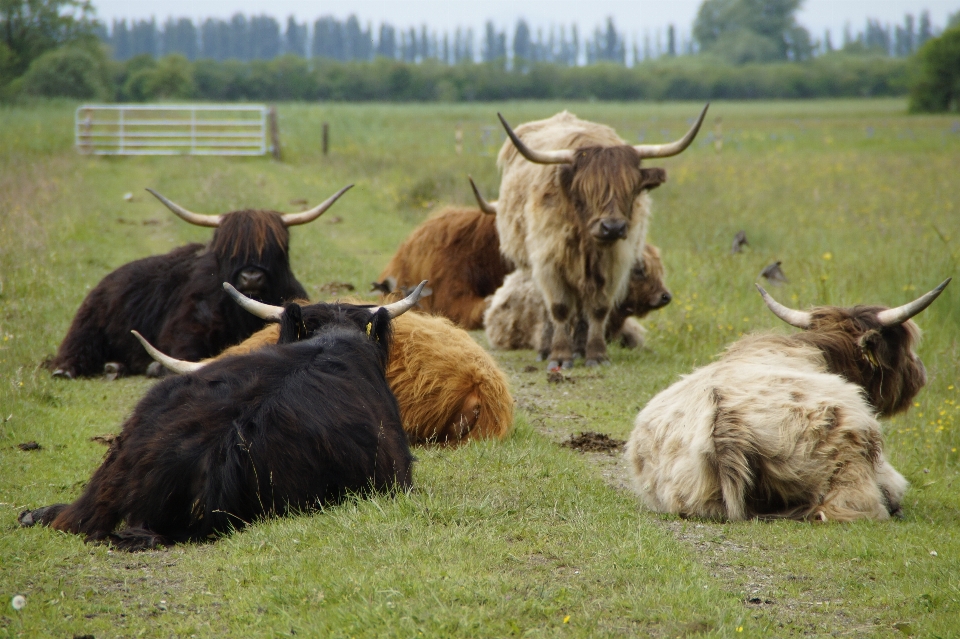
(592, 442)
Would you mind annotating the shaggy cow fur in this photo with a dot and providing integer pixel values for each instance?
(459, 252)
(517, 318)
(176, 300)
(577, 228)
(288, 428)
(449, 389)
(783, 426)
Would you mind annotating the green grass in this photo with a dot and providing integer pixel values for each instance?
(521, 537)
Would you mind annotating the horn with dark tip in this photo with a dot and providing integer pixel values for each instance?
(399, 308)
(261, 310)
(486, 207)
(899, 315)
(176, 365)
(800, 319)
(189, 216)
(293, 219)
(673, 148)
(540, 157)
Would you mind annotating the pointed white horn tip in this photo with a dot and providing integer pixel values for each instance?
(400, 307)
(901, 314)
(485, 206)
(294, 219)
(261, 310)
(673, 148)
(199, 219)
(793, 317)
(538, 157)
(171, 363)
(417, 292)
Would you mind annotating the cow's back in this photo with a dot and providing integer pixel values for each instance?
(448, 387)
(136, 296)
(458, 251)
(765, 414)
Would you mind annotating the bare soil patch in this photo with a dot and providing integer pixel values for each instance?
(591, 442)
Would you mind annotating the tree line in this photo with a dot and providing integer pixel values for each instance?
(740, 49)
(749, 34)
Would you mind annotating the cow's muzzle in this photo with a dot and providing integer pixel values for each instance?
(660, 300)
(610, 230)
(251, 281)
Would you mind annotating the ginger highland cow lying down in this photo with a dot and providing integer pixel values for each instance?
(785, 426)
(516, 316)
(449, 389)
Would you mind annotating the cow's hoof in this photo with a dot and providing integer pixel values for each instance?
(32, 517)
(61, 373)
(596, 361)
(556, 364)
(111, 370)
(155, 369)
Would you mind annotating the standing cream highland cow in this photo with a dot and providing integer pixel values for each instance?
(785, 426)
(574, 211)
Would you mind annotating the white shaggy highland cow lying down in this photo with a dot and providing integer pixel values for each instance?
(785, 426)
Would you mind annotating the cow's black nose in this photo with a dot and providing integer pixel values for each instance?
(251, 278)
(614, 228)
(665, 299)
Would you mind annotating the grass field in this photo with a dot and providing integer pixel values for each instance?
(860, 202)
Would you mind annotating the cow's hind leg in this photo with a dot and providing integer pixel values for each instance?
(43, 516)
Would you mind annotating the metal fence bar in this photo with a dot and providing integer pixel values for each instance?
(143, 129)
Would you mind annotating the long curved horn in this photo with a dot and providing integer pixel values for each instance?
(176, 365)
(673, 148)
(292, 219)
(540, 157)
(189, 216)
(486, 207)
(399, 308)
(899, 315)
(800, 319)
(261, 310)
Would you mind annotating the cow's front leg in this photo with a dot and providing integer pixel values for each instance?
(596, 350)
(561, 348)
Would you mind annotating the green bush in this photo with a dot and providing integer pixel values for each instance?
(937, 88)
(68, 72)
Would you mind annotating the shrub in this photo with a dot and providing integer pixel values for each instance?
(937, 88)
(68, 72)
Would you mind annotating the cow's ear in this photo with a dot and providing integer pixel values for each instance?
(873, 347)
(379, 330)
(292, 328)
(651, 178)
(565, 177)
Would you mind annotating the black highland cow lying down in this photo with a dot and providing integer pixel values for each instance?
(287, 428)
(176, 300)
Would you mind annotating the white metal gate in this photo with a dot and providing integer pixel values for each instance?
(153, 129)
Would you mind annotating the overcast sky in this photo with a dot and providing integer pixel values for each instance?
(634, 17)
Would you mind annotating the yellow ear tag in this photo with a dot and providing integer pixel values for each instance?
(369, 327)
(871, 358)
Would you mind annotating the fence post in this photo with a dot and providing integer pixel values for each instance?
(274, 133)
(326, 138)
